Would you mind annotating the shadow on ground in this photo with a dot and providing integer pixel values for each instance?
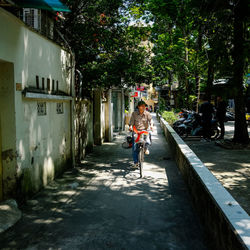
(102, 204)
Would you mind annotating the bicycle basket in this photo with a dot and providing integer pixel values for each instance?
(129, 139)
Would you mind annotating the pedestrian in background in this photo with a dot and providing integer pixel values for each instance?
(206, 111)
(221, 115)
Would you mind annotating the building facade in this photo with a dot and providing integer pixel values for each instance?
(36, 91)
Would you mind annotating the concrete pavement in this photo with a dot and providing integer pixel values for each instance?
(104, 205)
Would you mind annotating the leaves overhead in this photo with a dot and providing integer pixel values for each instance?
(106, 47)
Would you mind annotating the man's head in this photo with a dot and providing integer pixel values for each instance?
(219, 98)
(141, 106)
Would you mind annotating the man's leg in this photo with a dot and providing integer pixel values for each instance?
(206, 125)
(209, 129)
(148, 142)
(222, 129)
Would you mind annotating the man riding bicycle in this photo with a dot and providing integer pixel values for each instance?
(141, 120)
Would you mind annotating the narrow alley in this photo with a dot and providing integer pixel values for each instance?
(105, 205)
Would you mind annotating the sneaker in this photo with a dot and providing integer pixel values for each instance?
(146, 152)
(135, 166)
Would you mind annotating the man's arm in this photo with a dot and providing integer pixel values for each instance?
(131, 122)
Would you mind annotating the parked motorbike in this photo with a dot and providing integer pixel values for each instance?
(230, 116)
(192, 127)
(184, 115)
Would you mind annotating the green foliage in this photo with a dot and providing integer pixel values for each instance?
(107, 49)
(170, 117)
(162, 105)
(191, 101)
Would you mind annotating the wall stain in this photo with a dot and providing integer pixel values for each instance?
(9, 155)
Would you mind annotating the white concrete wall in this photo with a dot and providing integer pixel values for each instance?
(43, 143)
(7, 119)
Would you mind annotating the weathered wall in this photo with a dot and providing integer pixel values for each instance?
(42, 143)
(108, 117)
(8, 129)
(227, 224)
(83, 128)
(32, 54)
(98, 117)
(118, 109)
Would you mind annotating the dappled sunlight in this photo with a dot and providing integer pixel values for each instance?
(104, 194)
(48, 221)
(5, 208)
(109, 143)
(209, 164)
(21, 150)
(66, 192)
(62, 146)
(48, 170)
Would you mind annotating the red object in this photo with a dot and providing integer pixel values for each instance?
(139, 133)
(102, 19)
(135, 94)
(140, 88)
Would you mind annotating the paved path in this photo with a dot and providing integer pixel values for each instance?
(230, 167)
(104, 205)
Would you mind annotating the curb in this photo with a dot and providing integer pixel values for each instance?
(225, 221)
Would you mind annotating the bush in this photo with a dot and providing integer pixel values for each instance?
(162, 105)
(170, 117)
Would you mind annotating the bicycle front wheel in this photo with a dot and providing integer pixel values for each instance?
(141, 159)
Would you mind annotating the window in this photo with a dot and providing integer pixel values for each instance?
(32, 17)
(59, 108)
(41, 108)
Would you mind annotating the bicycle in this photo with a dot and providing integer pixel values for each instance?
(141, 147)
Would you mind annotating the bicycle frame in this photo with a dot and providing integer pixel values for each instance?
(141, 145)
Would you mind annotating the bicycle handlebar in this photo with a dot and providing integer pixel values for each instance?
(139, 133)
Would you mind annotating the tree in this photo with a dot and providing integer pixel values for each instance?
(239, 58)
(106, 48)
(204, 39)
(229, 19)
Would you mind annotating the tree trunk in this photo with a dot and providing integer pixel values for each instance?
(197, 81)
(240, 130)
(210, 78)
(197, 76)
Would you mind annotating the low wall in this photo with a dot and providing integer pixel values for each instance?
(227, 224)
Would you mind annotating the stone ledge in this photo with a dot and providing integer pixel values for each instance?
(9, 215)
(226, 222)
